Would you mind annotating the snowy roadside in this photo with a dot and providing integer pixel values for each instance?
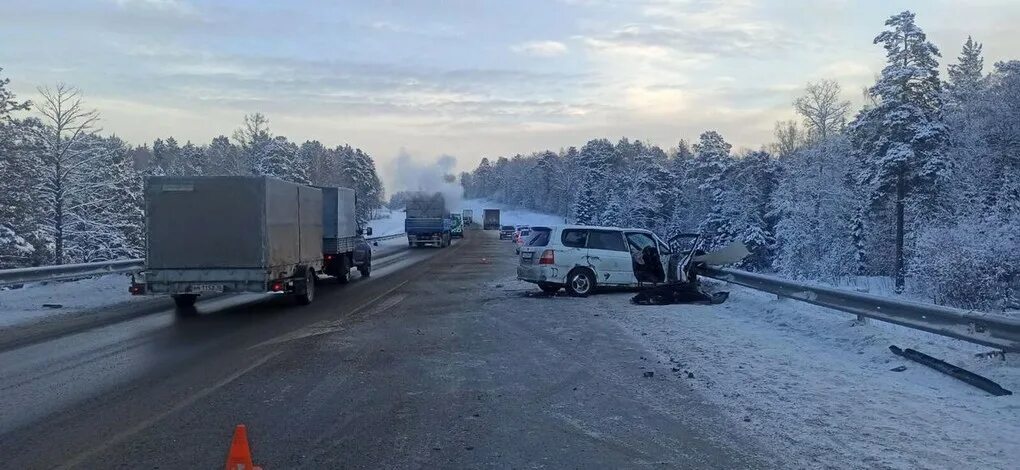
(390, 222)
(815, 387)
(818, 387)
(54, 301)
(29, 304)
(509, 215)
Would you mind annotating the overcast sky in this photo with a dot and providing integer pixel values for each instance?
(465, 78)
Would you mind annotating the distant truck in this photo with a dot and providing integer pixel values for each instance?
(490, 220)
(456, 225)
(468, 216)
(222, 234)
(427, 220)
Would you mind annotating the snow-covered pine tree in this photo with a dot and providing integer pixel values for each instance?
(369, 186)
(483, 179)
(1000, 128)
(279, 159)
(594, 160)
(753, 219)
(966, 76)
(568, 184)
(815, 205)
(19, 183)
(313, 156)
(253, 138)
(965, 91)
(104, 212)
(903, 137)
(548, 170)
(224, 158)
(587, 208)
(614, 213)
(649, 196)
(190, 161)
(708, 206)
(166, 156)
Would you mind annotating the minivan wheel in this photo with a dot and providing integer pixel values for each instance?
(580, 283)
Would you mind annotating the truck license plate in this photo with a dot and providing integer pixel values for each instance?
(207, 288)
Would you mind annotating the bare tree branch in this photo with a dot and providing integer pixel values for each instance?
(823, 109)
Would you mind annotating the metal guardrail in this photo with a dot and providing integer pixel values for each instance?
(69, 271)
(990, 330)
(385, 237)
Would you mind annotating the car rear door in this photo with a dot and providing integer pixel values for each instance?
(607, 250)
(573, 250)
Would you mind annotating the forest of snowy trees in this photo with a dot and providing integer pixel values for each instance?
(921, 185)
(70, 195)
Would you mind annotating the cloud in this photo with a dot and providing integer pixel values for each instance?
(540, 48)
(174, 6)
(435, 30)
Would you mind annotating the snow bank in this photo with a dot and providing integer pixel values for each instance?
(389, 222)
(818, 386)
(25, 305)
(509, 215)
(392, 221)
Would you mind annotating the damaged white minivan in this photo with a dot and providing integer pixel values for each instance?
(581, 258)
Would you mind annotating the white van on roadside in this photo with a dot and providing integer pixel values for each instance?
(581, 258)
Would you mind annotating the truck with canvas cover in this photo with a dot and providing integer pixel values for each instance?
(490, 219)
(468, 216)
(343, 246)
(427, 220)
(222, 234)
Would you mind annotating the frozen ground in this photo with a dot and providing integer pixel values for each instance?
(390, 222)
(817, 386)
(510, 215)
(26, 305)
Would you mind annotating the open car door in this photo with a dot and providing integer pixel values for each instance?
(646, 258)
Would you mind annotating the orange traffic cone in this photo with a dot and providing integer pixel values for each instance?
(239, 456)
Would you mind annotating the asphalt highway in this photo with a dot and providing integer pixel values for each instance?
(428, 363)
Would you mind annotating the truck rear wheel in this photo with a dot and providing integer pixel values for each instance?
(185, 304)
(343, 270)
(308, 295)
